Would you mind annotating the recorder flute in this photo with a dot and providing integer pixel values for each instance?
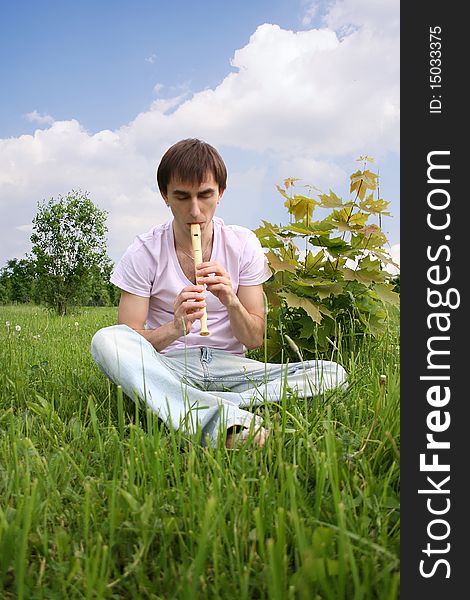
(197, 253)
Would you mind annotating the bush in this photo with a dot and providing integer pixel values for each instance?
(328, 277)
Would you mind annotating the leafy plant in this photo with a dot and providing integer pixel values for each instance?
(328, 274)
(69, 245)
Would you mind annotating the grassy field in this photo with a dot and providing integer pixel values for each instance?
(98, 500)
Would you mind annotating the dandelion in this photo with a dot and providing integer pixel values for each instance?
(18, 328)
(7, 324)
(76, 323)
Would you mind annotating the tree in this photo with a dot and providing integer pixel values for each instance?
(328, 276)
(69, 245)
(17, 281)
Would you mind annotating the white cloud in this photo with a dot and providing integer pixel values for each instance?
(395, 254)
(36, 117)
(311, 11)
(381, 16)
(299, 103)
(151, 59)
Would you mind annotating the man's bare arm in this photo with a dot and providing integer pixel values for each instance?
(246, 315)
(133, 311)
(245, 307)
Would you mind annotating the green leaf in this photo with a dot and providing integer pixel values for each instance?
(334, 245)
(313, 228)
(277, 264)
(282, 191)
(301, 207)
(370, 264)
(324, 289)
(330, 200)
(361, 181)
(307, 327)
(311, 308)
(314, 261)
(348, 220)
(374, 206)
(362, 275)
(386, 294)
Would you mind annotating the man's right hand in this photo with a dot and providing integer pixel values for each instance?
(188, 307)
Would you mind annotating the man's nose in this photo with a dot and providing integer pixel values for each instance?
(195, 210)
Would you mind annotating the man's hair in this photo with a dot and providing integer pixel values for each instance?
(191, 160)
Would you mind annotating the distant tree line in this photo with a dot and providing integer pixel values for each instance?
(68, 265)
(20, 284)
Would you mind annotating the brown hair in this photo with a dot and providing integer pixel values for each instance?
(190, 161)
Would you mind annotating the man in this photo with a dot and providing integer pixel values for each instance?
(156, 352)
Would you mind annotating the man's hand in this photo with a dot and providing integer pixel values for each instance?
(217, 281)
(188, 307)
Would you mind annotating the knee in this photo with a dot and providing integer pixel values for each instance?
(341, 377)
(104, 340)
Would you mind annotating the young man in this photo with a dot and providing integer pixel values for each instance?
(157, 354)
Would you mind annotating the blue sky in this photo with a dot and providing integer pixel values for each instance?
(86, 60)
(94, 92)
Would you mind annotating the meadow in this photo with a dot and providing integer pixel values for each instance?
(99, 500)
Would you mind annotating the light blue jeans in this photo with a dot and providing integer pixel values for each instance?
(203, 387)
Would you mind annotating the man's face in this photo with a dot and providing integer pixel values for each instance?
(193, 203)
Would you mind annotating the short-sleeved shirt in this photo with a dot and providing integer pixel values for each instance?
(150, 268)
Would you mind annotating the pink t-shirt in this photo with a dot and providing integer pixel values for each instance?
(150, 268)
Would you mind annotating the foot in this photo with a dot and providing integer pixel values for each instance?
(238, 436)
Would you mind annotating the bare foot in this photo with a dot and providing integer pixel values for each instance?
(238, 436)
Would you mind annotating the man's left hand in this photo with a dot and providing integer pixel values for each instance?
(217, 281)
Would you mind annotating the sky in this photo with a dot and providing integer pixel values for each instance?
(94, 92)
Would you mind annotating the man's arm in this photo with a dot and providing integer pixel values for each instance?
(133, 311)
(245, 308)
(247, 315)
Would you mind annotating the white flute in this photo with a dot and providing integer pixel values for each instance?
(197, 253)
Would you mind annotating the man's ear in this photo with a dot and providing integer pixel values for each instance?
(221, 193)
(165, 198)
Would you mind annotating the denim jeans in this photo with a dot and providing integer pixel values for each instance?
(203, 387)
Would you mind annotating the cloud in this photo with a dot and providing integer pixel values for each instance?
(36, 117)
(311, 12)
(304, 92)
(383, 16)
(151, 59)
(395, 254)
(298, 103)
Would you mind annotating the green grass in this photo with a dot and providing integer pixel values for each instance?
(98, 500)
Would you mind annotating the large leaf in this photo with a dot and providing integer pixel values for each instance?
(277, 264)
(268, 235)
(313, 228)
(386, 294)
(311, 308)
(335, 245)
(361, 181)
(330, 200)
(347, 219)
(362, 275)
(307, 327)
(301, 207)
(312, 262)
(377, 206)
(323, 289)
